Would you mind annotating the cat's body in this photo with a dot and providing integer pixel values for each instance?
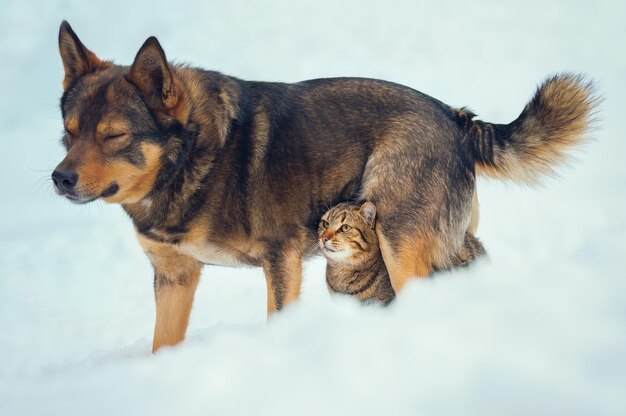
(368, 281)
(355, 265)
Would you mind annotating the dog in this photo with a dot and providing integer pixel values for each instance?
(217, 170)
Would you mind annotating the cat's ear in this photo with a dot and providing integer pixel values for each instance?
(368, 212)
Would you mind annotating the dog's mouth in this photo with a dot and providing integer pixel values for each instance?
(76, 198)
(110, 191)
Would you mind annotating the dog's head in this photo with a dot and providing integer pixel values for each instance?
(117, 120)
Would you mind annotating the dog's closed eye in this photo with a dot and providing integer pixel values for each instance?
(114, 136)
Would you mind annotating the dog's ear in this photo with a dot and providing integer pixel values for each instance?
(151, 73)
(368, 212)
(77, 59)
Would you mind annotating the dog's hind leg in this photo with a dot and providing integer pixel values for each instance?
(422, 188)
(474, 219)
(407, 258)
(176, 277)
(470, 250)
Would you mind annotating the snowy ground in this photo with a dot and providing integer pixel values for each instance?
(538, 328)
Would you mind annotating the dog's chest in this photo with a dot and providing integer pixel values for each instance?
(216, 254)
(210, 253)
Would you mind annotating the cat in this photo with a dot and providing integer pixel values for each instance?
(355, 266)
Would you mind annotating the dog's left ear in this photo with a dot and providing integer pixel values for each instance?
(77, 59)
(151, 73)
(368, 212)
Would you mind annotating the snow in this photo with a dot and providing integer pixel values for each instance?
(537, 328)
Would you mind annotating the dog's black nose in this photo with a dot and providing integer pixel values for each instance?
(64, 180)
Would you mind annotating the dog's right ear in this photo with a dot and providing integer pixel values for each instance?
(77, 59)
(155, 78)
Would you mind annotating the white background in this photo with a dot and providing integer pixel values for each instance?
(538, 328)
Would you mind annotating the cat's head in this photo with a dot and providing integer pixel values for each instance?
(347, 233)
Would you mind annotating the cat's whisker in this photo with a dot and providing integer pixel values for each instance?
(314, 247)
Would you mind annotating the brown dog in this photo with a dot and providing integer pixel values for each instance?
(213, 169)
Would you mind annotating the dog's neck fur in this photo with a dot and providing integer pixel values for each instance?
(190, 152)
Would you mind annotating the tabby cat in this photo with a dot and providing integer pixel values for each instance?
(355, 266)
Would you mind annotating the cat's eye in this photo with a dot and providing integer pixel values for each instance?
(324, 224)
(345, 227)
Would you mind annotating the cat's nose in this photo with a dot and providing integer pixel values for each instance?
(324, 239)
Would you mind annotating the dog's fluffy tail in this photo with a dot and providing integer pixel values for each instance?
(557, 119)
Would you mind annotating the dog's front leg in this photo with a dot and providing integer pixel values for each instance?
(282, 266)
(176, 277)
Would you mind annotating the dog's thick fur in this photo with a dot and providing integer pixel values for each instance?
(213, 169)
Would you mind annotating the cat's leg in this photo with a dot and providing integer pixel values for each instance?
(329, 285)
